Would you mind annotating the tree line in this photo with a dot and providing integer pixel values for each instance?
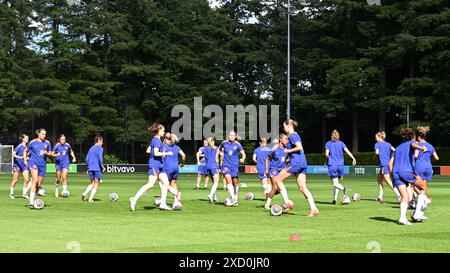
(115, 66)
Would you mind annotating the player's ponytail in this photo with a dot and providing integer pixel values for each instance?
(291, 122)
(422, 131)
(407, 134)
(155, 128)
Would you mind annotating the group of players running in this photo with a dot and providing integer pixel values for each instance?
(409, 164)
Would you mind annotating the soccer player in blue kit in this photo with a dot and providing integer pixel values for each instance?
(39, 148)
(275, 163)
(383, 150)
(20, 168)
(260, 155)
(94, 162)
(423, 166)
(201, 163)
(61, 152)
(172, 167)
(231, 149)
(296, 165)
(334, 153)
(401, 166)
(212, 168)
(156, 168)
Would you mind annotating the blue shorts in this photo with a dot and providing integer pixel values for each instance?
(335, 171)
(155, 170)
(95, 175)
(261, 175)
(296, 169)
(232, 171)
(202, 170)
(425, 173)
(212, 171)
(403, 178)
(60, 167)
(172, 174)
(41, 169)
(274, 172)
(384, 169)
(19, 168)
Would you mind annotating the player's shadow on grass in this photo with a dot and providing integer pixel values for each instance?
(150, 208)
(373, 200)
(324, 203)
(383, 219)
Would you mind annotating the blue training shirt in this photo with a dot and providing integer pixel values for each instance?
(231, 152)
(94, 158)
(297, 158)
(261, 155)
(424, 159)
(155, 161)
(63, 151)
(19, 152)
(210, 157)
(171, 161)
(336, 157)
(384, 152)
(37, 150)
(404, 158)
(277, 159)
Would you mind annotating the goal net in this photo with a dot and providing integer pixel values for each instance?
(6, 159)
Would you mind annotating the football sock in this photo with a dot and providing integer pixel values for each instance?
(29, 187)
(93, 192)
(11, 191)
(24, 190)
(403, 209)
(335, 193)
(32, 195)
(214, 189)
(64, 187)
(420, 203)
(88, 189)
(236, 192)
(164, 190)
(231, 191)
(311, 202)
(268, 201)
(284, 195)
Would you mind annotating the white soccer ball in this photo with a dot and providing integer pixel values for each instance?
(65, 194)
(38, 204)
(158, 201)
(356, 197)
(276, 210)
(345, 200)
(177, 206)
(249, 196)
(113, 197)
(228, 202)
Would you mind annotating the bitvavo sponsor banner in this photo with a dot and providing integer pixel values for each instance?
(51, 168)
(135, 168)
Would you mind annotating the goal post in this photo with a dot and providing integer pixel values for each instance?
(6, 159)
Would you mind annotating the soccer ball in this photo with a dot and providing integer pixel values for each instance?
(276, 210)
(356, 197)
(345, 200)
(42, 192)
(65, 194)
(38, 204)
(113, 197)
(158, 201)
(228, 202)
(177, 206)
(249, 196)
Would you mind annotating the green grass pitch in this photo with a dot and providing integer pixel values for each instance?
(106, 226)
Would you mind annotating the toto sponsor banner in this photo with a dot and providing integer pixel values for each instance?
(51, 168)
(364, 170)
(189, 169)
(250, 169)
